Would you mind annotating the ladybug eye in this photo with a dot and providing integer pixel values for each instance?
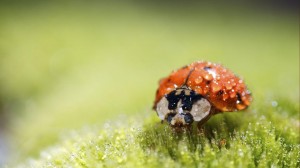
(200, 109)
(170, 117)
(188, 118)
(162, 108)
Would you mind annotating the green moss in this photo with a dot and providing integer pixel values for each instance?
(227, 140)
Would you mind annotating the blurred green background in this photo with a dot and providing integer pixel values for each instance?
(65, 65)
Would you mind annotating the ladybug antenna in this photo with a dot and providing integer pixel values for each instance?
(187, 78)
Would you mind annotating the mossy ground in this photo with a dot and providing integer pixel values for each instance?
(247, 139)
(72, 65)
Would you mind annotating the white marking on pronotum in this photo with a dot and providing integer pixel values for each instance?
(200, 109)
(162, 108)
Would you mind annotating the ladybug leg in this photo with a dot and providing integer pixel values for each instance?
(202, 122)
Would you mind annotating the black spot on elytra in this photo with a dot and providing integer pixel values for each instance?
(207, 68)
(220, 93)
(238, 96)
(186, 100)
(207, 82)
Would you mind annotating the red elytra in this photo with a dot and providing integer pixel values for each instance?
(224, 90)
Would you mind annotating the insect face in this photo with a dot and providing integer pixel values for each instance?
(182, 107)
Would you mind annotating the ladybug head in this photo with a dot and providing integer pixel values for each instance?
(182, 107)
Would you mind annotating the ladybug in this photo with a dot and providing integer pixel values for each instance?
(198, 91)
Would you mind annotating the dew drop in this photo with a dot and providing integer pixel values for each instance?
(232, 94)
(198, 80)
(216, 87)
(198, 90)
(208, 77)
(225, 96)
